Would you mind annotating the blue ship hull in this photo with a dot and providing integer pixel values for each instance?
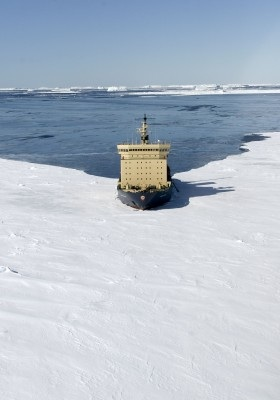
(145, 199)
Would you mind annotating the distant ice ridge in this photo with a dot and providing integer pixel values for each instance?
(152, 90)
(184, 90)
(117, 89)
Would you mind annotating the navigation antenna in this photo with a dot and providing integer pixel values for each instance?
(144, 131)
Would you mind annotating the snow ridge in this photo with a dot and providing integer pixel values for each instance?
(149, 90)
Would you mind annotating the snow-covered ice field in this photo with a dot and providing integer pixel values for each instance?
(99, 301)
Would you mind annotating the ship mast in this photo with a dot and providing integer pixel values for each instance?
(144, 131)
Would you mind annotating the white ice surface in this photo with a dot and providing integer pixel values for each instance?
(99, 301)
(156, 90)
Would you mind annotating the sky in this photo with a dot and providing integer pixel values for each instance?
(62, 43)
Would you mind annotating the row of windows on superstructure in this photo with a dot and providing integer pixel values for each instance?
(155, 150)
(146, 177)
(144, 162)
(141, 168)
(138, 173)
(141, 180)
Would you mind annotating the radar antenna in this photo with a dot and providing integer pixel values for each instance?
(144, 131)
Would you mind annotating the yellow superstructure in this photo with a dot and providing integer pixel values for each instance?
(144, 165)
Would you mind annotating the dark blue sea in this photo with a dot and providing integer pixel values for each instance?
(80, 129)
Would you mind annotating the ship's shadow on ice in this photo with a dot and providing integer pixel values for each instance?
(184, 191)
